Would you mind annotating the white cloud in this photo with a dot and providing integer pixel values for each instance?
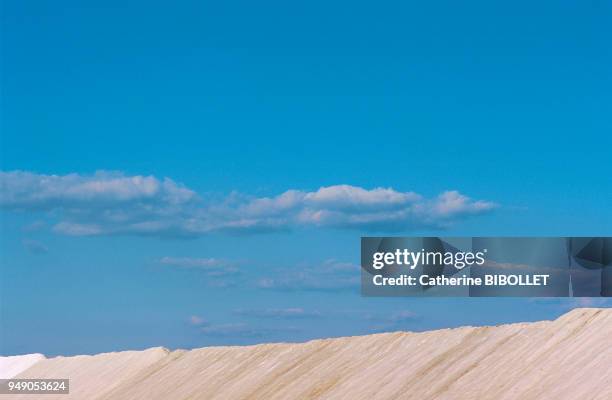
(196, 320)
(453, 202)
(230, 329)
(569, 303)
(402, 316)
(26, 190)
(330, 275)
(34, 226)
(34, 246)
(393, 321)
(113, 203)
(234, 329)
(278, 313)
(189, 262)
(243, 330)
(345, 197)
(76, 229)
(381, 320)
(216, 272)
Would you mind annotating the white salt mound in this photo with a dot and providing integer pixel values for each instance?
(566, 359)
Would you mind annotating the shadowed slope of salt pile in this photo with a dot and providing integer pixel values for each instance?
(13, 365)
(568, 358)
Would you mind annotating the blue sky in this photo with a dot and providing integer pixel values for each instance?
(440, 119)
